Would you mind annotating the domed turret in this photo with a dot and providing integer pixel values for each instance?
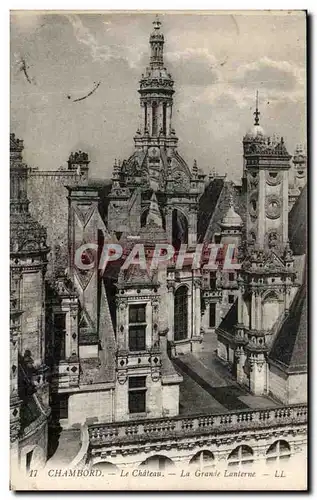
(231, 219)
(256, 132)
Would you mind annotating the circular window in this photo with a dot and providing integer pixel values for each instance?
(273, 207)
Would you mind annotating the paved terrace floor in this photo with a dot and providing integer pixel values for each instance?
(66, 448)
(208, 387)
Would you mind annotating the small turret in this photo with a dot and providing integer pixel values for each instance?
(79, 161)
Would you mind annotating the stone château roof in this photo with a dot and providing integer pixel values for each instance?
(289, 350)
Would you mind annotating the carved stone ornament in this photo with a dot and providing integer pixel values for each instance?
(155, 374)
(273, 239)
(273, 178)
(253, 204)
(273, 207)
(122, 376)
(253, 179)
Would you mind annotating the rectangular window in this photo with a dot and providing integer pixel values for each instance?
(213, 281)
(63, 405)
(212, 315)
(137, 394)
(231, 277)
(231, 299)
(137, 313)
(154, 118)
(137, 327)
(217, 239)
(60, 334)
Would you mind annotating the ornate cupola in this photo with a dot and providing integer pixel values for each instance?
(231, 220)
(155, 140)
(156, 91)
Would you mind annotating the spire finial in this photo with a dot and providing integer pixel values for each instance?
(257, 112)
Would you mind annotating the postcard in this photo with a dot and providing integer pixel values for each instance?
(158, 214)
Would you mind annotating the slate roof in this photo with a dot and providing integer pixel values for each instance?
(230, 320)
(289, 349)
(297, 224)
(207, 205)
(220, 207)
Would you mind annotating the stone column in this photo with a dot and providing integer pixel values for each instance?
(285, 206)
(149, 326)
(191, 311)
(258, 301)
(261, 208)
(192, 228)
(73, 331)
(160, 117)
(240, 308)
(218, 314)
(169, 224)
(168, 118)
(197, 310)
(205, 317)
(122, 324)
(155, 321)
(258, 369)
(240, 362)
(170, 312)
(253, 311)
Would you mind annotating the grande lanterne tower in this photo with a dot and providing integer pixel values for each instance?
(155, 168)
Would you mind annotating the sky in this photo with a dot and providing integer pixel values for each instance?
(217, 61)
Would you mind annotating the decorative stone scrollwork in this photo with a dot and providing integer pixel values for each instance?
(253, 179)
(273, 239)
(260, 365)
(253, 204)
(122, 376)
(14, 431)
(273, 178)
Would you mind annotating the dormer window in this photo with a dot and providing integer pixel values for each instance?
(137, 327)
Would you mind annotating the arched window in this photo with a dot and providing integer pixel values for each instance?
(157, 462)
(240, 456)
(278, 451)
(181, 313)
(203, 460)
(270, 310)
(105, 466)
(154, 118)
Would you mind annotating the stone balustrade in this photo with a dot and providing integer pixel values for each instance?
(180, 427)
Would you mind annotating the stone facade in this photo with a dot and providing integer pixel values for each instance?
(29, 405)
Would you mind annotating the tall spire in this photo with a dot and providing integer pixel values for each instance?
(156, 91)
(157, 43)
(257, 112)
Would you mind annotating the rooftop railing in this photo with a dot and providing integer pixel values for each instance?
(181, 426)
